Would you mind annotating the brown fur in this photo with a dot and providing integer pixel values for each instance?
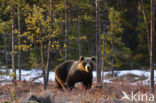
(70, 72)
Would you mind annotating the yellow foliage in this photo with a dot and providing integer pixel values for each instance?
(65, 45)
(83, 37)
(24, 41)
(16, 47)
(58, 46)
(52, 46)
(16, 31)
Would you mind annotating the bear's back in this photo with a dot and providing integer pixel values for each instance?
(64, 67)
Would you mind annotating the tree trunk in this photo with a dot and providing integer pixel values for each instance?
(13, 43)
(103, 57)
(49, 48)
(98, 51)
(66, 30)
(42, 63)
(145, 19)
(112, 60)
(56, 55)
(5, 51)
(42, 60)
(151, 48)
(79, 39)
(19, 41)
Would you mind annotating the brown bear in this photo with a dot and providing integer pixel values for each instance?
(70, 72)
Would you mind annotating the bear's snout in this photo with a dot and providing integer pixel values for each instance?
(88, 67)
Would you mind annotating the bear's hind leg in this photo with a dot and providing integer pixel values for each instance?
(60, 82)
(57, 85)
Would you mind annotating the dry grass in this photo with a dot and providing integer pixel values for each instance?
(106, 93)
(129, 77)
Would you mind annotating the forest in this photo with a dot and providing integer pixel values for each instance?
(124, 25)
(40, 34)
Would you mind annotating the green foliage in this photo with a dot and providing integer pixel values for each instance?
(142, 54)
(114, 47)
(115, 21)
(37, 25)
(5, 27)
(35, 58)
(125, 34)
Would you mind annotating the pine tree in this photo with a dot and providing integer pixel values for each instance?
(66, 29)
(19, 39)
(37, 30)
(151, 48)
(115, 50)
(79, 34)
(98, 51)
(46, 77)
(13, 41)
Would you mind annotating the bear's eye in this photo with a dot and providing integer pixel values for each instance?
(83, 64)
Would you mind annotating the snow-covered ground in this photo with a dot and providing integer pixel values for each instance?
(28, 75)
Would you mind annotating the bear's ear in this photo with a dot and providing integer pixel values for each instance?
(93, 58)
(81, 58)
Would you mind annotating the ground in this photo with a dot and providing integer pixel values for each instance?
(106, 93)
(111, 91)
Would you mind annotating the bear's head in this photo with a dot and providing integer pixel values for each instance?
(86, 64)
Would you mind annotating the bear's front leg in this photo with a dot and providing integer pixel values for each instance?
(87, 83)
(70, 82)
(70, 85)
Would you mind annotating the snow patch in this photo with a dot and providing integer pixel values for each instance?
(28, 75)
